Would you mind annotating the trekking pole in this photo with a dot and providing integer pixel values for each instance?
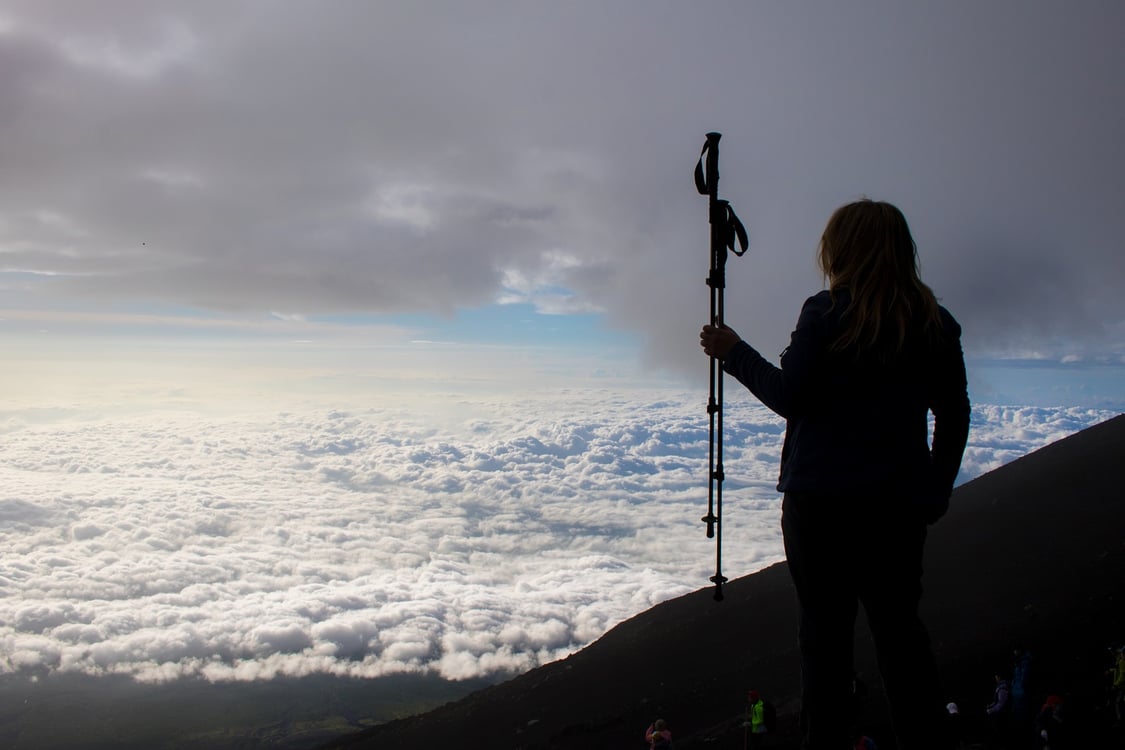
(725, 229)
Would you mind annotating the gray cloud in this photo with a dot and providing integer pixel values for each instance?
(372, 542)
(429, 156)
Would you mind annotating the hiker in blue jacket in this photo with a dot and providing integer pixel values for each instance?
(869, 359)
(1021, 678)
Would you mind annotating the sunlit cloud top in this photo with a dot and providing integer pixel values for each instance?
(377, 541)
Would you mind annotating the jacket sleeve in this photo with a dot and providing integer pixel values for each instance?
(786, 390)
(951, 409)
(1000, 700)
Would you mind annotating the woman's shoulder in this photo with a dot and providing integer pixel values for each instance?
(822, 303)
(824, 309)
(949, 324)
(823, 298)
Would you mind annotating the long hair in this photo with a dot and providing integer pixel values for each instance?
(867, 249)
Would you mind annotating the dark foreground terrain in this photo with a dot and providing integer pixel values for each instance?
(1033, 553)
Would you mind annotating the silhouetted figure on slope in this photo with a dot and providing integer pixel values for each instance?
(658, 736)
(1117, 685)
(1000, 712)
(1050, 724)
(868, 360)
(860, 741)
(956, 725)
(756, 726)
(1020, 691)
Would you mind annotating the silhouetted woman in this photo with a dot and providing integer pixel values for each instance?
(870, 358)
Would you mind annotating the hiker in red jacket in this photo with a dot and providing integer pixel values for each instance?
(861, 741)
(658, 736)
(1050, 724)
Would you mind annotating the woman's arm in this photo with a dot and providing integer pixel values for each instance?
(786, 390)
(951, 409)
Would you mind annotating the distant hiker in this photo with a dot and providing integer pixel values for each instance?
(1117, 676)
(1000, 696)
(998, 711)
(756, 726)
(658, 736)
(1021, 678)
(861, 741)
(956, 727)
(869, 359)
(1049, 724)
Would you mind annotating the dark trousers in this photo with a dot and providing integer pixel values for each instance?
(843, 551)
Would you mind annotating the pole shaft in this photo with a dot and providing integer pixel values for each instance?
(717, 218)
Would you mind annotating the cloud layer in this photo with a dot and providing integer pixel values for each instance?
(375, 542)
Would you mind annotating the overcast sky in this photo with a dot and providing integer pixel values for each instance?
(296, 169)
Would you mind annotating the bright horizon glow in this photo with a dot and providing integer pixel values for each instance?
(148, 364)
(185, 359)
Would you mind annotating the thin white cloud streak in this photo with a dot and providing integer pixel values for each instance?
(377, 541)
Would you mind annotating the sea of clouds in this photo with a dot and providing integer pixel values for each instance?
(378, 541)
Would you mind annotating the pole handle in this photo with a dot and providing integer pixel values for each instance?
(707, 178)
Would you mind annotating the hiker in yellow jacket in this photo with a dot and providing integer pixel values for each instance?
(755, 721)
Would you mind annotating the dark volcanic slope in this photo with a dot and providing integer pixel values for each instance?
(1032, 553)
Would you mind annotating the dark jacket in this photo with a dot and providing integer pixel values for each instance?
(1000, 699)
(858, 423)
